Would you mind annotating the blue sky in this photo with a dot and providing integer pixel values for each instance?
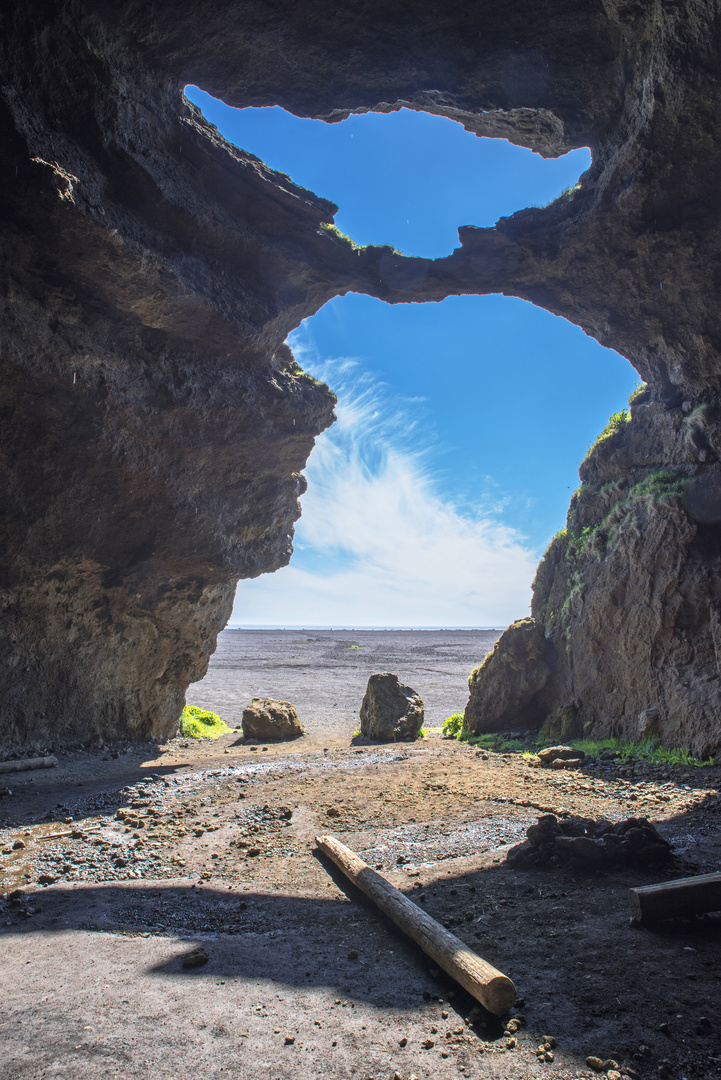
(461, 424)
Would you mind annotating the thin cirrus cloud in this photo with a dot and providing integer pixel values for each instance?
(378, 544)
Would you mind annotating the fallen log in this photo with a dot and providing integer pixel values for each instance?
(683, 896)
(81, 833)
(24, 764)
(492, 988)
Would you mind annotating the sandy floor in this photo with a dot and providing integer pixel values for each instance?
(219, 852)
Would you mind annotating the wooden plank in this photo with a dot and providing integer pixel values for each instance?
(671, 899)
(492, 988)
(24, 764)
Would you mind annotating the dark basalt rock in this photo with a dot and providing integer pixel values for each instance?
(154, 426)
(390, 711)
(585, 842)
(505, 687)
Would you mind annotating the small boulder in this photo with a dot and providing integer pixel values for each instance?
(196, 958)
(583, 847)
(390, 710)
(568, 763)
(550, 754)
(269, 720)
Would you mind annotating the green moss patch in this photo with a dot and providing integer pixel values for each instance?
(198, 723)
(647, 750)
(453, 729)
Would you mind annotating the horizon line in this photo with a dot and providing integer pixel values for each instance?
(327, 626)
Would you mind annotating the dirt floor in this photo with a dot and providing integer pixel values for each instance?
(127, 863)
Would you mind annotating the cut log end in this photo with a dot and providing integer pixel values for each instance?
(681, 898)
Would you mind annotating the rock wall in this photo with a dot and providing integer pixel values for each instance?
(627, 599)
(154, 425)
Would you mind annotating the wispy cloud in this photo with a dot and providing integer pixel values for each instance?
(379, 544)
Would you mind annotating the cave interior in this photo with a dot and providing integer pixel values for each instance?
(156, 425)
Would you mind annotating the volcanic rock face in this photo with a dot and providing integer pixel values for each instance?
(628, 596)
(511, 676)
(155, 426)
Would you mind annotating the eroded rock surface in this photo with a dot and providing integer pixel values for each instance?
(504, 689)
(628, 596)
(269, 720)
(390, 711)
(154, 425)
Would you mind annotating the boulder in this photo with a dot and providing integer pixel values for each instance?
(390, 711)
(561, 757)
(568, 763)
(504, 689)
(584, 841)
(268, 720)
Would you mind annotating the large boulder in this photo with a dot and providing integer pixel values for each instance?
(268, 720)
(504, 689)
(390, 711)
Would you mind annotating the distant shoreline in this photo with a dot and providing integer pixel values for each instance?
(385, 629)
(325, 671)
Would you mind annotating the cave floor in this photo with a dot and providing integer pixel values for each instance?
(218, 851)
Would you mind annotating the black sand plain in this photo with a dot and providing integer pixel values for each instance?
(324, 673)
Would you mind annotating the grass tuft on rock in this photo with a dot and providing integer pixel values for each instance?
(648, 750)
(453, 726)
(453, 729)
(615, 424)
(196, 723)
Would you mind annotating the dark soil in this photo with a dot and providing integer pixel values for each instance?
(216, 850)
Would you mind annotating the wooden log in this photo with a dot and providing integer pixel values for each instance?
(70, 832)
(683, 896)
(24, 764)
(494, 990)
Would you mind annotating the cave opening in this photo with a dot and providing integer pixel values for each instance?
(461, 424)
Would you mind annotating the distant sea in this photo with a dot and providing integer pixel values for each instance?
(313, 626)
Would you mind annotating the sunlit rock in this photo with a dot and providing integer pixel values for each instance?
(268, 720)
(390, 711)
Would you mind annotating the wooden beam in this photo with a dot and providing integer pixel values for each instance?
(23, 764)
(683, 896)
(492, 988)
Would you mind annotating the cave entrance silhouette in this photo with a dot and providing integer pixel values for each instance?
(460, 424)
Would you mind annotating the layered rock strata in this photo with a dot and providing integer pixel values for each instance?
(154, 425)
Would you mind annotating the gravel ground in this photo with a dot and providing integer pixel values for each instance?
(114, 868)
